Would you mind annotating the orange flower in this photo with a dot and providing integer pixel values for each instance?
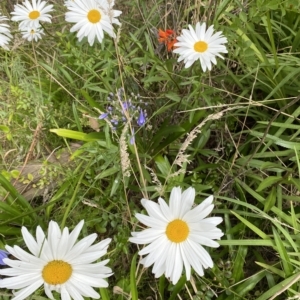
(167, 37)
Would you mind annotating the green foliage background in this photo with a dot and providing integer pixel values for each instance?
(246, 152)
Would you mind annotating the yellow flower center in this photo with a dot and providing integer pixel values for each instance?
(34, 14)
(177, 231)
(57, 272)
(94, 16)
(200, 46)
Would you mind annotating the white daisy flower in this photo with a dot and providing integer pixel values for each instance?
(107, 6)
(91, 18)
(177, 233)
(32, 34)
(200, 45)
(58, 263)
(68, 2)
(30, 14)
(5, 35)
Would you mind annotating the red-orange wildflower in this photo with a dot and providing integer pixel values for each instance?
(167, 37)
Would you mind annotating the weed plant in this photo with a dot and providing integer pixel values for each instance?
(232, 132)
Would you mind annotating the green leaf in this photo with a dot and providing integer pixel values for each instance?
(270, 180)
(115, 185)
(173, 96)
(165, 137)
(89, 99)
(107, 173)
(239, 263)
(296, 42)
(161, 287)
(4, 128)
(178, 287)
(252, 227)
(71, 134)
(104, 294)
(65, 73)
(163, 165)
(245, 242)
(272, 269)
(15, 173)
(248, 285)
(76, 118)
(280, 287)
(19, 198)
(133, 287)
(285, 260)
(271, 200)
(277, 141)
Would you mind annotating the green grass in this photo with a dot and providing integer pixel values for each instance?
(245, 153)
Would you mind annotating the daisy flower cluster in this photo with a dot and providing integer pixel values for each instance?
(175, 236)
(29, 15)
(93, 18)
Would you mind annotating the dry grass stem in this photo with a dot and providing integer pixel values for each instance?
(125, 161)
(155, 180)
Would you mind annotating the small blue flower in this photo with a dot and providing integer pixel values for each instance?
(3, 254)
(126, 105)
(142, 119)
(132, 140)
(103, 116)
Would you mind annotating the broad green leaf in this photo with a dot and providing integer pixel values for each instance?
(267, 182)
(107, 173)
(4, 128)
(71, 134)
(277, 141)
(173, 96)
